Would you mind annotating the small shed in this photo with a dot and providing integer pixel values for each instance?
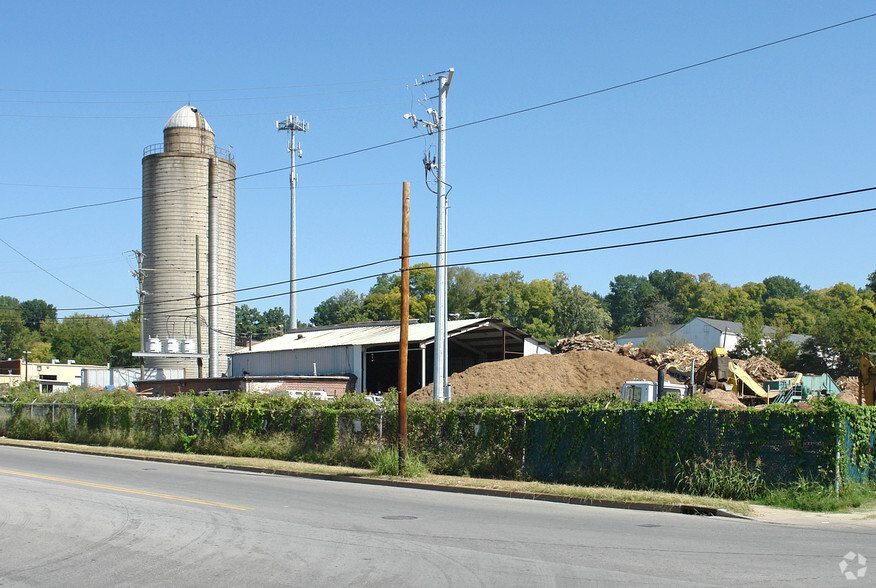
(369, 351)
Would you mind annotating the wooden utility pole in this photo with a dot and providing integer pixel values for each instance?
(403, 327)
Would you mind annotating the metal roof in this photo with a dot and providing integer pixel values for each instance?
(369, 334)
(728, 326)
(187, 117)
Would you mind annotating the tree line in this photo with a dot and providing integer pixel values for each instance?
(840, 321)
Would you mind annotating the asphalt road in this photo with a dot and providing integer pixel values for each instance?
(76, 520)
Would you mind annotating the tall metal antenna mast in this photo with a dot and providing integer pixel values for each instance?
(440, 389)
(292, 124)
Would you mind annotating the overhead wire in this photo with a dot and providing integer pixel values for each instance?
(517, 243)
(460, 126)
(557, 253)
(500, 116)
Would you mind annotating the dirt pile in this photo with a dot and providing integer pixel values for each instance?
(848, 396)
(575, 372)
(723, 399)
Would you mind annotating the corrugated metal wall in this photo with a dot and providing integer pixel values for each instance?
(329, 361)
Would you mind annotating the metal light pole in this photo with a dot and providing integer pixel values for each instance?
(292, 124)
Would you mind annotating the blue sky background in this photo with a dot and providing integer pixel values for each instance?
(86, 86)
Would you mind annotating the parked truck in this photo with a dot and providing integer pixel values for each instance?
(639, 391)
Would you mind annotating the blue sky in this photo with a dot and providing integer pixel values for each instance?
(86, 86)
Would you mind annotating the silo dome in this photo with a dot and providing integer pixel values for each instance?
(187, 117)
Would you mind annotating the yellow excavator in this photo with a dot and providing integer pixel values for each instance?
(729, 376)
(866, 381)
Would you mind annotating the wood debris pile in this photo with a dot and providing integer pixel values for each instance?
(849, 383)
(587, 341)
(677, 358)
(680, 357)
(761, 368)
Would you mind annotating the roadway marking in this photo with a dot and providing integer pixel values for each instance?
(127, 490)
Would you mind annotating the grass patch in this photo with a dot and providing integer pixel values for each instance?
(385, 463)
(809, 496)
(725, 478)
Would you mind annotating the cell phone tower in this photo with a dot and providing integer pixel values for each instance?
(292, 125)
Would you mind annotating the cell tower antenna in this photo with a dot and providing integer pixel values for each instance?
(292, 125)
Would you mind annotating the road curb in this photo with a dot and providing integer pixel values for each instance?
(689, 509)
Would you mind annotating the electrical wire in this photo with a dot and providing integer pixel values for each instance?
(496, 117)
(74, 288)
(513, 244)
(560, 253)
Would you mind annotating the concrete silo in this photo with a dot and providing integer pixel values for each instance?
(188, 196)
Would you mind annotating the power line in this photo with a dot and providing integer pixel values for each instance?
(515, 243)
(565, 252)
(654, 223)
(501, 116)
(75, 289)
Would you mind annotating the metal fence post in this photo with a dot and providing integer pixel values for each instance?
(380, 433)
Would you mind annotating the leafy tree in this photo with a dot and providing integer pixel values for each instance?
(34, 312)
(871, 282)
(751, 342)
(246, 319)
(274, 317)
(576, 310)
(125, 340)
(83, 338)
(345, 307)
(844, 330)
(11, 325)
(462, 283)
(629, 299)
(783, 287)
(781, 350)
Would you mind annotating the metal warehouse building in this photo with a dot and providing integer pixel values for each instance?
(369, 351)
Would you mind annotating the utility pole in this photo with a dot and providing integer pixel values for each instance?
(292, 124)
(141, 294)
(440, 389)
(403, 330)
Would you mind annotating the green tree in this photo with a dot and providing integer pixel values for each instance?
(34, 312)
(576, 311)
(462, 283)
(11, 326)
(345, 307)
(783, 287)
(272, 319)
(751, 342)
(246, 320)
(84, 338)
(628, 301)
(125, 341)
(844, 330)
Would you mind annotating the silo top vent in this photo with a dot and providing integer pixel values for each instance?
(188, 117)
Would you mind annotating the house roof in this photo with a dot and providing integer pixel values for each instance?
(372, 334)
(645, 331)
(728, 326)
